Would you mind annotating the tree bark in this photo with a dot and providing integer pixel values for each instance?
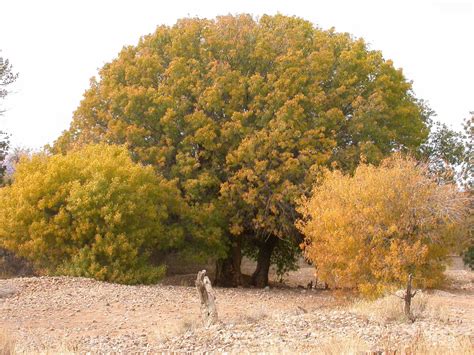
(408, 297)
(207, 298)
(228, 270)
(260, 276)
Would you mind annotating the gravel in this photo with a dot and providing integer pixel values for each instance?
(83, 315)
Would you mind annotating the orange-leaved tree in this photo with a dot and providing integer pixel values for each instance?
(370, 230)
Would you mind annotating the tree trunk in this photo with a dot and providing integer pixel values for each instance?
(207, 298)
(408, 297)
(228, 270)
(260, 276)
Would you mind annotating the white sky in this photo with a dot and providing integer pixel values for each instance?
(57, 46)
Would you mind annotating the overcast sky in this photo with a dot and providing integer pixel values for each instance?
(57, 46)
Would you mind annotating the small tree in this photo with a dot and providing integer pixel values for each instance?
(92, 212)
(7, 77)
(445, 153)
(467, 167)
(375, 228)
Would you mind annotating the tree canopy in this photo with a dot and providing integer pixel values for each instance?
(93, 212)
(372, 229)
(243, 113)
(449, 154)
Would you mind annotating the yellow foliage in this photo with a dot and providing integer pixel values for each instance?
(92, 212)
(243, 111)
(371, 229)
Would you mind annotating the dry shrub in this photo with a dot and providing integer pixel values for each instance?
(7, 343)
(390, 308)
(420, 344)
(178, 328)
(458, 346)
(255, 316)
(349, 345)
(65, 347)
(438, 311)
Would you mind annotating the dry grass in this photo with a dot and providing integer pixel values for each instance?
(7, 343)
(61, 350)
(180, 327)
(390, 308)
(418, 345)
(344, 346)
(8, 346)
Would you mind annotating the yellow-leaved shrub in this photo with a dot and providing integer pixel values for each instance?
(92, 212)
(370, 230)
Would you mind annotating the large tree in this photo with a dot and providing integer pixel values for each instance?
(243, 113)
(7, 77)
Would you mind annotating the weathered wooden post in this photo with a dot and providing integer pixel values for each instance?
(208, 299)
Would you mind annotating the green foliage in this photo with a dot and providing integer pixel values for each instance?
(445, 151)
(467, 166)
(92, 212)
(450, 154)
(468, 257)
(244, 112)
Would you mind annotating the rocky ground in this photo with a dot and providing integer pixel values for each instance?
(61, 314)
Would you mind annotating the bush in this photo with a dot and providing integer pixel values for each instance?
(92, 212)
(390, 308)
(372, 229)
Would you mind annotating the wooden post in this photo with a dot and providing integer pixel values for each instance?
(208, 299)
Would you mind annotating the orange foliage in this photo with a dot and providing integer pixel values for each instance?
(371, 229)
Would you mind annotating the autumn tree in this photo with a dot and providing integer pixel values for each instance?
(372, 229)
(467, 178)
(243, 113)
(7, 77)
(95, 213)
